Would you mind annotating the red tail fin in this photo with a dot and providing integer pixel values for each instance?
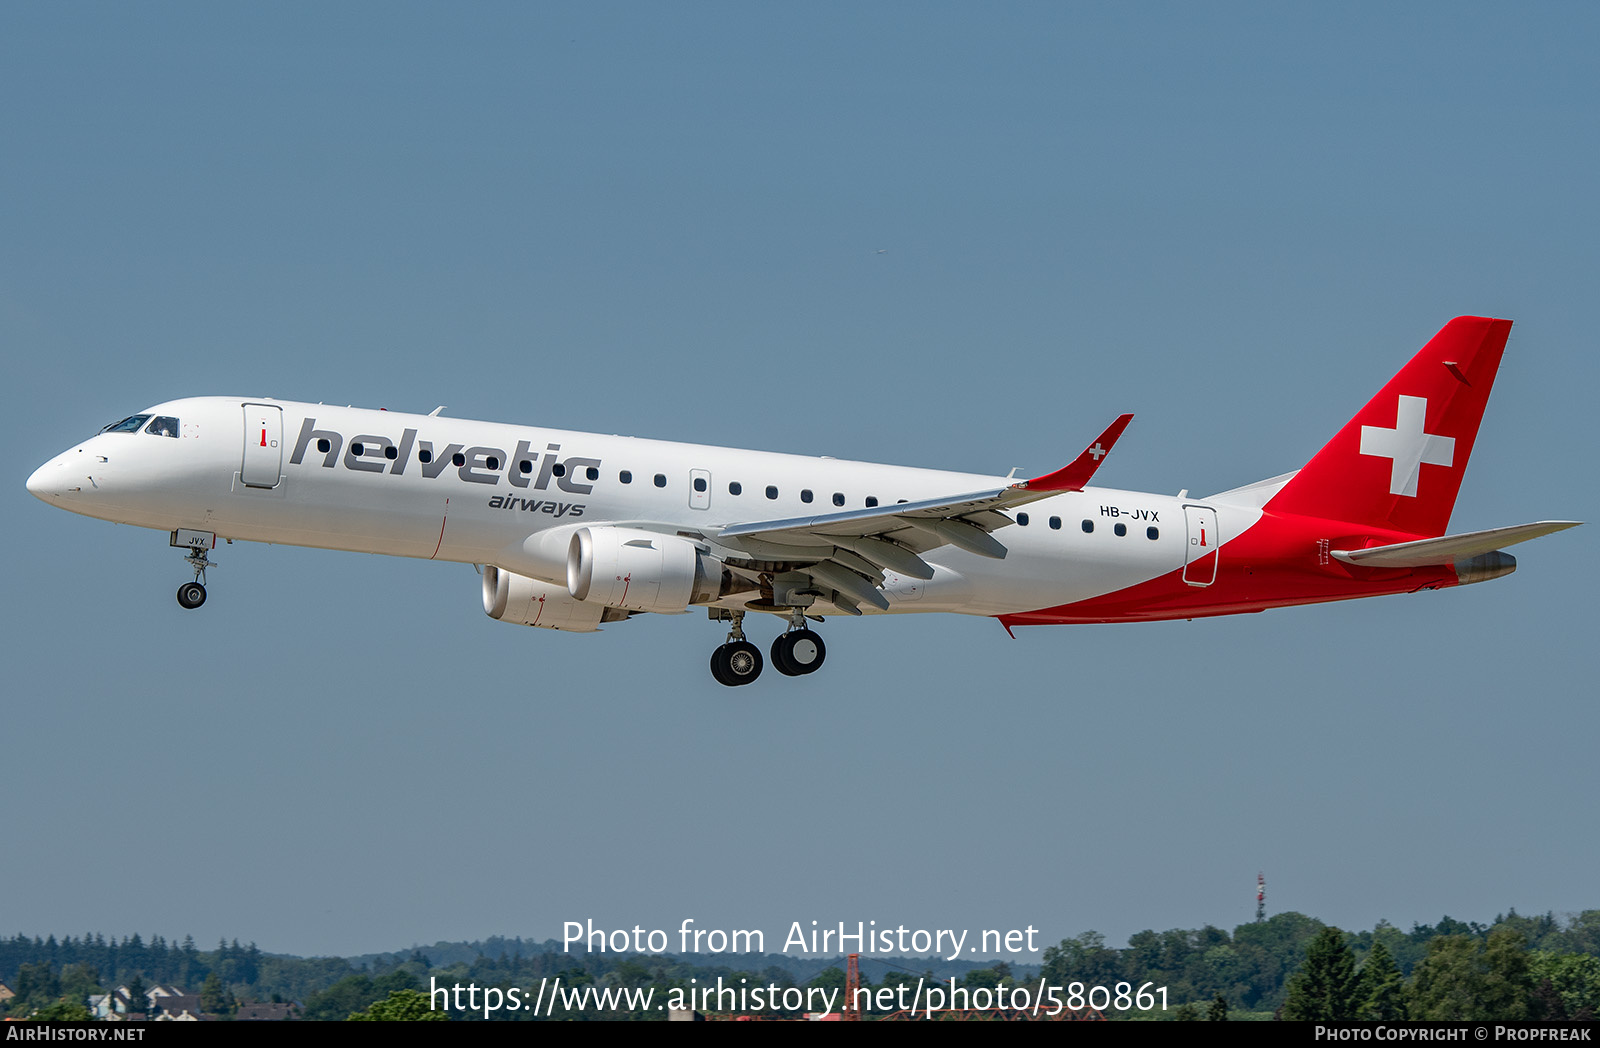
(1398, 464)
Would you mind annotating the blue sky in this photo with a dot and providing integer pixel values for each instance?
(938, 234)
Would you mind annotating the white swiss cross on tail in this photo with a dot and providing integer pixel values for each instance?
(1408, 445)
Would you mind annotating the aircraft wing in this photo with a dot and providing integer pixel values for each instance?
(848, 551)
(1449, 548)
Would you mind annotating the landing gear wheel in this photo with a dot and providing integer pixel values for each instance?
(191, 595)
(735, 663)
(719, 666)
(798, 652)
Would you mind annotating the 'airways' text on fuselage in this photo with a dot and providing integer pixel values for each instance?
(555, 509)
(368, 453)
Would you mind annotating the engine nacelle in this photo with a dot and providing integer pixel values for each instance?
(640, 570)
(510, 597)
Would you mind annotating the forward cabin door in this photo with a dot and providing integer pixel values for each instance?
(1200, 554)
(263, 446)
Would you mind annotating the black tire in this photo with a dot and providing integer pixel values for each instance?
(803, 650)
(780, 657)
(719, 666)
(741, 662)
(191, 595)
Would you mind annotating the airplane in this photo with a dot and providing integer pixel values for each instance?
(573, 531)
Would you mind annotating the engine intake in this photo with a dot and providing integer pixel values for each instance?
(640, 570)
(510, 597)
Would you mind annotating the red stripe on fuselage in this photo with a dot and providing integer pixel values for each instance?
(1278, 562)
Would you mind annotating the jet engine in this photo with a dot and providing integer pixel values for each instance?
(510, 597)
(640, 570)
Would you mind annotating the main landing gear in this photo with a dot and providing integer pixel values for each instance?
(193, 594)
(738, 661)
(795, 652)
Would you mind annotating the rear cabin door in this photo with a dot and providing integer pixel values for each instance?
(263, 446)
(1200, 555)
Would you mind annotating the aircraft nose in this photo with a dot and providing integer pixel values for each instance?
(46, 481)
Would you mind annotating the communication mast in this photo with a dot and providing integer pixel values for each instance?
(1261, 898)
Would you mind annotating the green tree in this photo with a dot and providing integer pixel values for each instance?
(356, 992)
(1326, 986)
(400, 1006)
(830, 978)
(1219, 1009)
(1574, 980)
(1082, 959)
(37, 984)
(1382, 988)
(1473, 980)
(62, 1012)
(138, 999)
(215, 997)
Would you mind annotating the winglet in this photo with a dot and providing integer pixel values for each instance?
(1075, 475)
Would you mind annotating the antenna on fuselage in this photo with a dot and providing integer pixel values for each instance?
(435, 412)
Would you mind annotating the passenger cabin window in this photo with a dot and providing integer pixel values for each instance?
(805, 494)
(1088, 527)
(593, 472)
(130, 424)
(1022, 518)
(1055, 523)
(1120, 529)
(661, 480)
(872, 500)
(526, 466)
(699, 483)
(734, 487)
(625, 477)
(391, 452)
(838, 498)
(163, 426)
(422, 456)
(458, 459)
(772, 492)
(1152, 533)
(558, 469)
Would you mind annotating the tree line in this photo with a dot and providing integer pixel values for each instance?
(1291, 965)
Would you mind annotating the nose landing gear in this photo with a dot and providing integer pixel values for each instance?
(193, 594)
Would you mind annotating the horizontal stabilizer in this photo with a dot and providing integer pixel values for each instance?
(1449, 548)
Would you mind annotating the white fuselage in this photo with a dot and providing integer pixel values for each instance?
(476, 492)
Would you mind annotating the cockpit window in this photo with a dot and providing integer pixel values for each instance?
(130, 424)
(163, 426)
